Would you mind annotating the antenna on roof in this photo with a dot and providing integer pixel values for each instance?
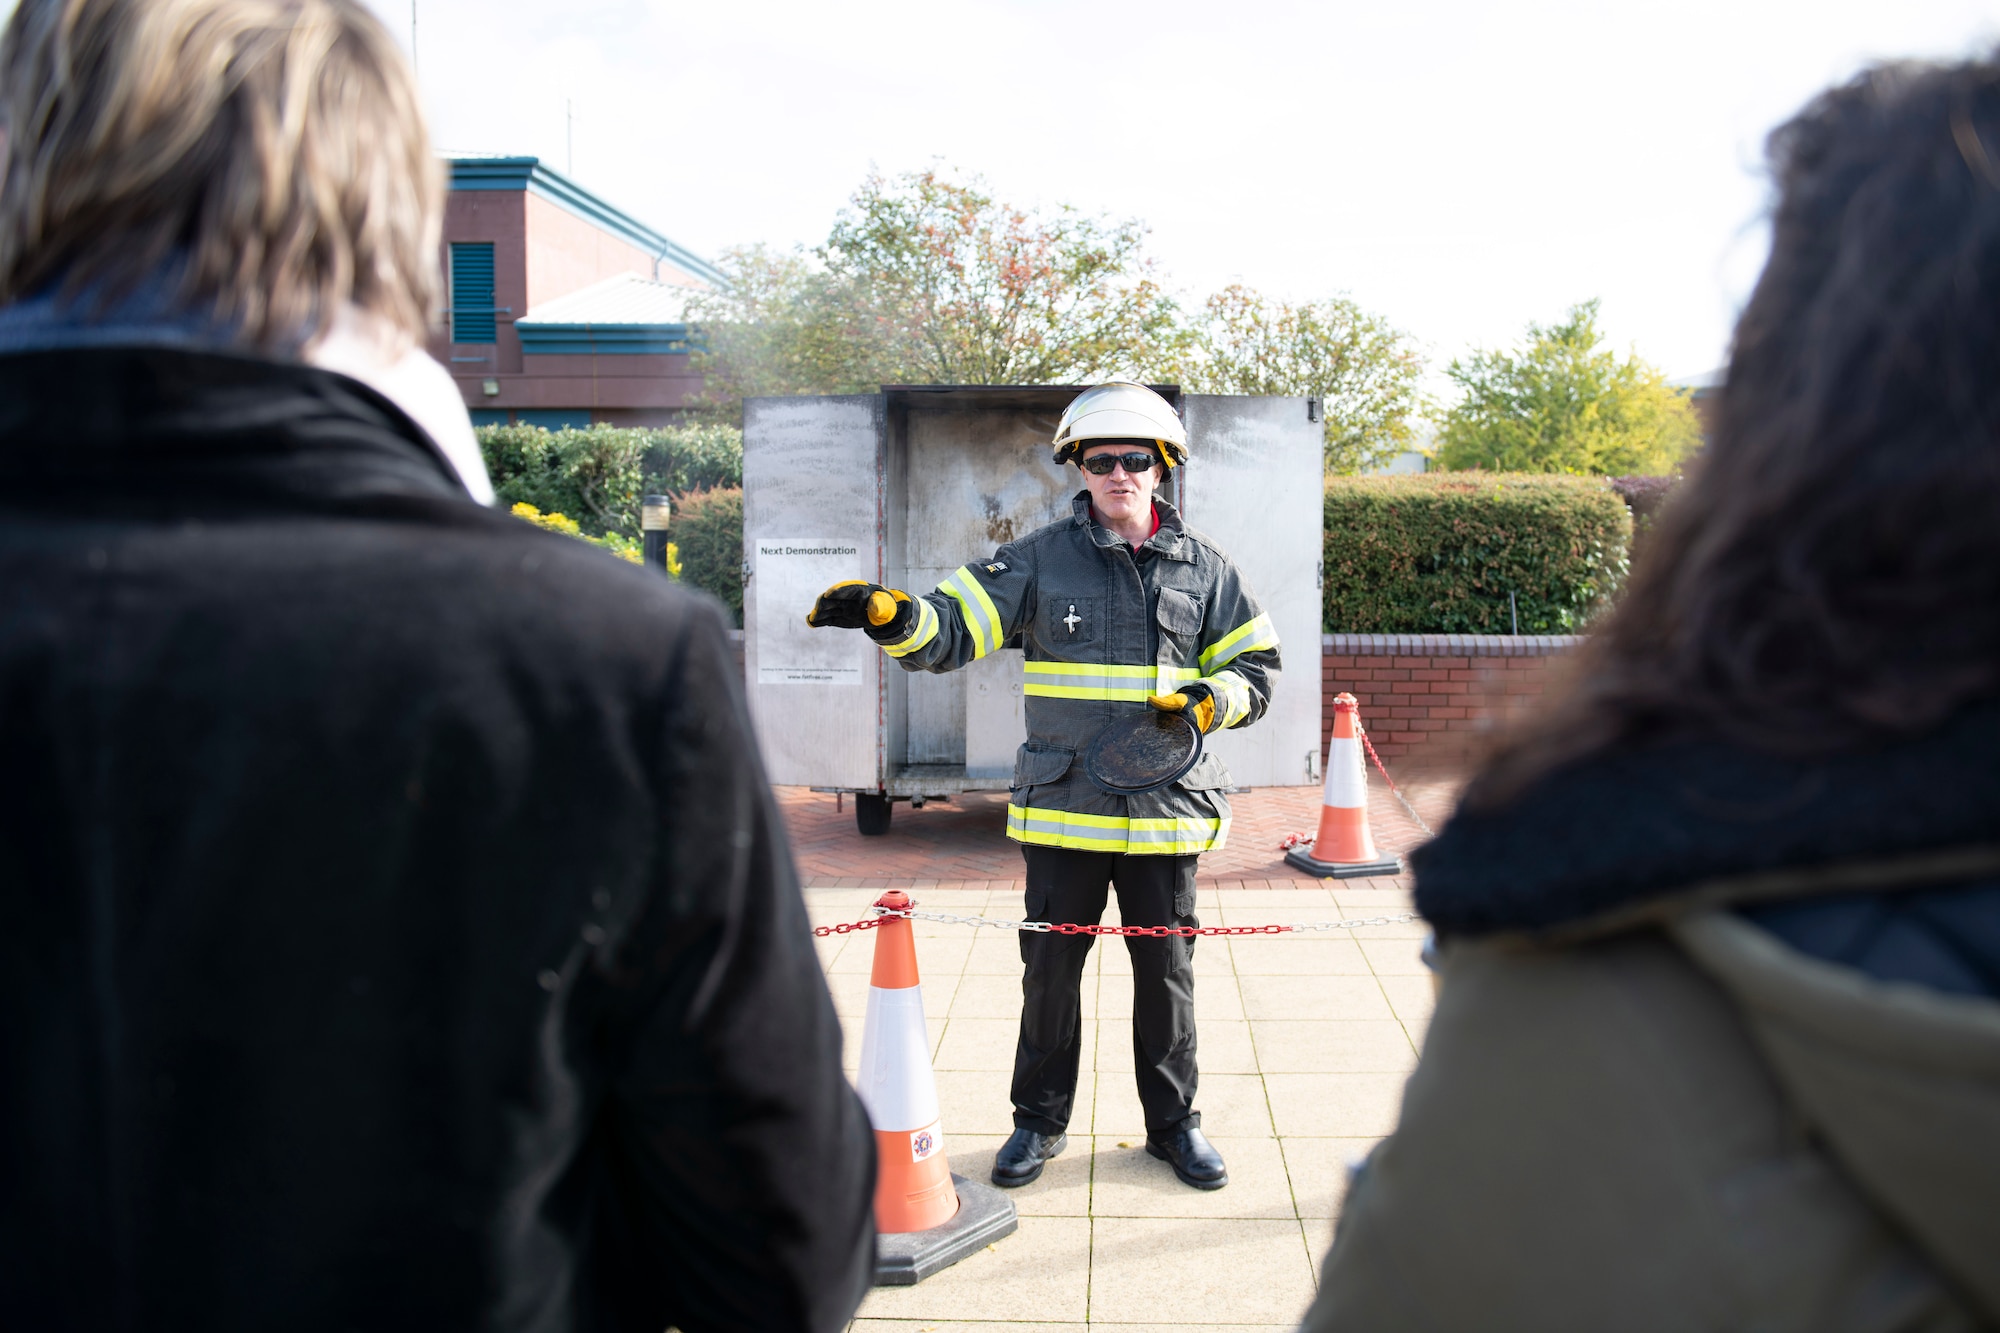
(569, 138)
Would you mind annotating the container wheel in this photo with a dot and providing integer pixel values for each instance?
(871, 814)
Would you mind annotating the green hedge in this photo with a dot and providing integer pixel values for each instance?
(1438, 554)
(708, 528)
(599, 474)
(1433, 554)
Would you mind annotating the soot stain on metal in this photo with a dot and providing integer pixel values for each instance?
(999, 527)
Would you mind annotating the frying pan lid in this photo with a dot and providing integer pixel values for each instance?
(1142, 752)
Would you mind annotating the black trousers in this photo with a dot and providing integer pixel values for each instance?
(1070, 886)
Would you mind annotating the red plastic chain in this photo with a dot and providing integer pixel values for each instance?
(847, 926)
(1369, 746)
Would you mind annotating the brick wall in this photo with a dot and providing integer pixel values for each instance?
(1425, 698)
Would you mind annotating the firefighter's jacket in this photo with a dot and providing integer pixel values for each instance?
(1101, 628)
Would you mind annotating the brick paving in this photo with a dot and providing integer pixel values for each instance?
(963, 845)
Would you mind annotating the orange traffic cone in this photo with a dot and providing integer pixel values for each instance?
(928, 1218)
(913, 1185)
(1344, 848)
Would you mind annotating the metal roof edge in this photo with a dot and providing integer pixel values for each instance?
(530, 174)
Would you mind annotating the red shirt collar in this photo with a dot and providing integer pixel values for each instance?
(1098, 519)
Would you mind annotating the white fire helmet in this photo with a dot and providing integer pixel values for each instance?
(1120, 411)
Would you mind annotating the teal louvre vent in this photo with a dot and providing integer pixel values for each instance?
(472, 292)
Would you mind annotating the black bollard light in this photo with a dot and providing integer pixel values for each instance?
(654, 511)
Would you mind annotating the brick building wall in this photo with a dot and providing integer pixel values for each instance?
(1428, 698)
(551, 238)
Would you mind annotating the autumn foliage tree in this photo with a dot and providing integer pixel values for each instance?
(1564, 402)
(926, 279)
(1366, 373)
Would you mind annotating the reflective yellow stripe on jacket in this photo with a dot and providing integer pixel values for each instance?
(1082, 680)
(1086, 680)
(1249, 637)
(1232, 697)
(1114, 833)
(926, 630)
(981, 617)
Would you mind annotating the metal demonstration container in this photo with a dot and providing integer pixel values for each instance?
(903, 487)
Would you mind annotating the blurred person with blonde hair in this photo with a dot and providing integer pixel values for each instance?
(398, 930)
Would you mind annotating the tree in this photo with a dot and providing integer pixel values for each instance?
(926, 279)
(1565, 403)
(1365, 372)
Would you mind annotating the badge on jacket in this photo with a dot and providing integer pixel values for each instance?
(997, 567)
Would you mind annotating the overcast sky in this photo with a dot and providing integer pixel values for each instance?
(1459, 167)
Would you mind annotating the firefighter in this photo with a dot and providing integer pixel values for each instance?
(1119, 607)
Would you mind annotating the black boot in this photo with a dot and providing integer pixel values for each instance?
(1023, 1156)
(1193, 1158)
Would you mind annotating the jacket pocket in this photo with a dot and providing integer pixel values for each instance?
(1178, 612)
(1179, 617)
(1037, 764)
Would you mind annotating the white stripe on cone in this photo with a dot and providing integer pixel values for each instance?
(895, 1081)
(1346, 779)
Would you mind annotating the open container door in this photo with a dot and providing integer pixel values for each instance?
(812, 516)
(1254, 485)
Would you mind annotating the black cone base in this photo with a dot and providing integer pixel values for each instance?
(1302, 859)
(984, 1215)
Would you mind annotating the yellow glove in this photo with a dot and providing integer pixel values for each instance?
(859, 604)
(1197, 701)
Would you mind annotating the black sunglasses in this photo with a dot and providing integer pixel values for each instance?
(1100, 465)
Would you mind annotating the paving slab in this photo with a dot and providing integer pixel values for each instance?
(1062, 1190)
(1040, 1273)
(1319, 1171)
(1322, 997)
(978, 1043)
(1127, 1181)
(1335, 1105)
(1337, 1046)
(1249, 1270)
(956, 1326)
(1412, 998)
(1291, 956)
(988, 995)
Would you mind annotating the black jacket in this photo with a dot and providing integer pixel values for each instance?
(396, 930)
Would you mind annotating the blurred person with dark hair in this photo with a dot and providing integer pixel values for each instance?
(398, 930)
(1717, 1039)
